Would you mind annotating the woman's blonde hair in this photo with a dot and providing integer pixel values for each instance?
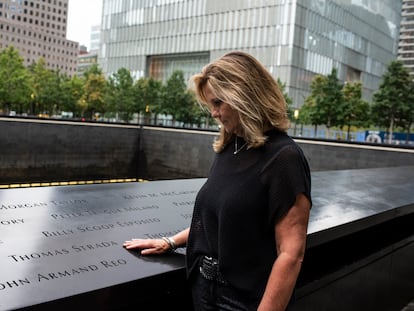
(242, 82)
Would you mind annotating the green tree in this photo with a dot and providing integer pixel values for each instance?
(44, 83)
(309, 113)
(325, 100)
(55, 93)
(288, 99)
(121, 94)
(355, 111)
(331, 105)
(93, 94)
(72, 90)
(190, 111)
(15, 90)
(148, 92)
(393, 101)
(175, 96)
(305, 113)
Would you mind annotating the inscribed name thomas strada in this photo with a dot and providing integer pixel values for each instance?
(69, 239)
(76, 248)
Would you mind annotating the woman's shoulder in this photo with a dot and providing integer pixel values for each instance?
(276, 138)
(281, 144)
(281, 151)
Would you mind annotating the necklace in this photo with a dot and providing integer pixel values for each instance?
(237, 150)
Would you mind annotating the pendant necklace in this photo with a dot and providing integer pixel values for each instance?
(236, 151)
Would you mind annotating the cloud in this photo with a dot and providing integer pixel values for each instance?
(82, 15)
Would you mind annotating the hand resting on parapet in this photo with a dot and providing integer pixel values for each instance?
(159, 245)
(148, 246)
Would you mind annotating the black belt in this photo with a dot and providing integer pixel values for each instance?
(209, 269)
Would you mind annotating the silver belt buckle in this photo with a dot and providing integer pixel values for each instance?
(209, 269)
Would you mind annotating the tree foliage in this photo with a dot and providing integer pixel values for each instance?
(93, 96)
(15, 86)
(330, 101)
(72, 91)
(176, 99)
(333, 104)
(120, 95)
(148, 95)
(355, 111)
(288, 99)
(37, 89)
(393, 102)
(311, 109)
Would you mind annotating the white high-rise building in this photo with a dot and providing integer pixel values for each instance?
(406, 46)
(95, 38)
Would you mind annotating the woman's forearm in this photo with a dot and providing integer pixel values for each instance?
(181, 238)
(281, 283)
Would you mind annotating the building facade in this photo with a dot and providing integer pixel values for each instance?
(85, 62)
(406, 46)
(37, 28)
(294, 39)
(95, 38)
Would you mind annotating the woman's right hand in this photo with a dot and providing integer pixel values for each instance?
(148, 246)
(160, 245)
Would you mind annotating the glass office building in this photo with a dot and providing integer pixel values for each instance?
(294, 39)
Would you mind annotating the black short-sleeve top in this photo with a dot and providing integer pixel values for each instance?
(236, 210)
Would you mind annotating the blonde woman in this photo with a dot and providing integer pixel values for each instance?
(247, 237)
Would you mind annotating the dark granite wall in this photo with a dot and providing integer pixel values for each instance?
(33, 151)
(56, 151)
(171, 154)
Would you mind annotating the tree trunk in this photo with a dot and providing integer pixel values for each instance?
(407, 136)
(348, 132)
(390, 130)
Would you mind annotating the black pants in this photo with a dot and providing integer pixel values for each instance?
(211, 295)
